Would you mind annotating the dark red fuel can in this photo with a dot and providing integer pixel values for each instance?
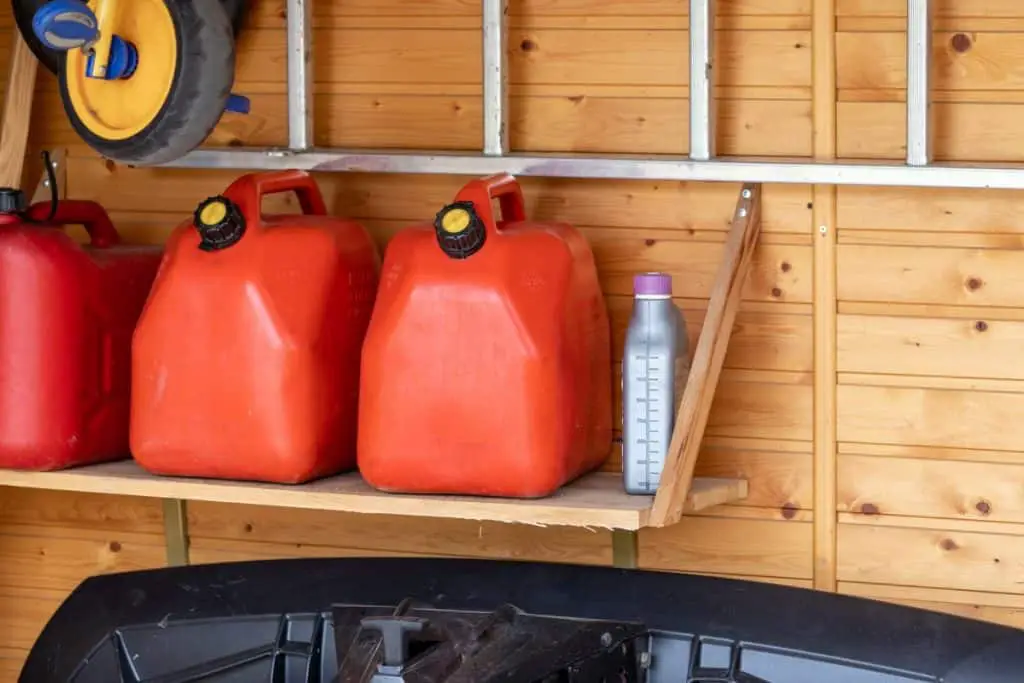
(67, 314)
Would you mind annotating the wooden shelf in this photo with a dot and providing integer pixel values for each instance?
(596, 500)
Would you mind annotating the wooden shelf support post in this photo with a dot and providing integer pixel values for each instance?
(175, 532)
(688, 432)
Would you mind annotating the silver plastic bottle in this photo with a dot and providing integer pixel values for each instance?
(655, 367)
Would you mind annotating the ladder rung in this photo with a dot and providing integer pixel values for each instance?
(300, 75)
(702, 96)
(495, 77)
(920, 126)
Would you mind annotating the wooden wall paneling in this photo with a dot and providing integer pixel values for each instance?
(571, 123)
(741, 547)
(949, 212)
(929, 452)
(919, 487)
(979, 60)
(972, 347)
(928, 449)
(938, 275)
(930, 555)
(685, 208)
(60, 510)
(50, 541)
(824, 224)
(946, 418)
(210, 524)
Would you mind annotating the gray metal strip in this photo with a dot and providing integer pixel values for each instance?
(800, 171)
(175, 532)
(495, 77)
(920, 123)
(625, 549)
(702, 91)
(300, 74)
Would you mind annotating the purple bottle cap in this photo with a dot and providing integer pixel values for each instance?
(652, 284)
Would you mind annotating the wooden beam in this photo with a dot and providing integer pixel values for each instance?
(692, 417)
(824, 216)
(17, 113)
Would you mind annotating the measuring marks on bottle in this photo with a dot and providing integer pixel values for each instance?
(649, 421)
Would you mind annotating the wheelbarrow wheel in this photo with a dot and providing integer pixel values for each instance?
(176, 94)
(24, 10)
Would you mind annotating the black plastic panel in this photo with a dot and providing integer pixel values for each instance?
(285, 622)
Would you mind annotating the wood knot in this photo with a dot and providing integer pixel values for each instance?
(785, 267)
(776, 292)
(960, 42)
(248, 528)
(984, 507)
(109, 165)
(870, 509)
(789, 511)
(948, 544)
(115, 547)
(527, 45)
(981, 326)
(650, 242)
(974, 283)
(235, 142)
(576, 99)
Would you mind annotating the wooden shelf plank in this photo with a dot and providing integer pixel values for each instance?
(596, 500)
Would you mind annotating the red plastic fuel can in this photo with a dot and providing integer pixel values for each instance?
(67, 312)
(487, 364)
(246, 357)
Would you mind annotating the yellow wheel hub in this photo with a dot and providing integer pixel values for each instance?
(119, 109)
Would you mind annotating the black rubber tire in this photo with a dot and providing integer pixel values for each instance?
(24, 10)
(202, 82)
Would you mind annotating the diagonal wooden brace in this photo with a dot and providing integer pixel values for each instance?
(688, 431)
(17, 112)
